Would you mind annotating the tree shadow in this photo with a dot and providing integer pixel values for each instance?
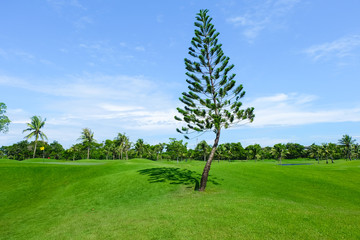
(174, 176)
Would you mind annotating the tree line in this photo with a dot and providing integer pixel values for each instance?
(121, 148)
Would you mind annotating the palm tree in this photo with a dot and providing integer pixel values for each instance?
(204, 148)
(120, 141)
(139, 147)
(159, 148)
(87, 138)
(279, 151)
(355, 150)
(347, 141)
(220, 151)
(127, 146)
(34, 127)
(315, 152)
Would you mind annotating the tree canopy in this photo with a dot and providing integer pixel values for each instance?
(4, 120)
(34, 127)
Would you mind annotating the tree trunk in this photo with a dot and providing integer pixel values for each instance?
(35, 149)
(206, 171)
(88, 153)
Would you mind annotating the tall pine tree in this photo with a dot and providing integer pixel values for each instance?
(213, 99)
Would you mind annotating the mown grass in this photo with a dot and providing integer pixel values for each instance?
(142, 199)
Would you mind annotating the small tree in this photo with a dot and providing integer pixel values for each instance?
(87, 138)
(34, 127)
(139, 147)
(120, 141)
(346, 141)
(127, 146)
(203, 148)
(4, 120)
(279, 151)
(213, 102)
(315, 152)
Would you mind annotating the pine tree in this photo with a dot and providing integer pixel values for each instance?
(213, 101)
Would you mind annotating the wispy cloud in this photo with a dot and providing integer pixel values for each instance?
(296, 109)
(101, 102)
(262, 16)
(339, 48)
(140, 49)
(83, 21)
(23, 56)
(59, 4)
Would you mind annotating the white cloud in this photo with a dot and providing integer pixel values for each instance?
(295, 109)
(262, 16)
(140, 48)
(59, 4)
(339, 48)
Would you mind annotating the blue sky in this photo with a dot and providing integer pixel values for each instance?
(117, 66)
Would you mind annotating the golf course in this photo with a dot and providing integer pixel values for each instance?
(143, 199)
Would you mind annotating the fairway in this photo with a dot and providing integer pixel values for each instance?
(143, 199)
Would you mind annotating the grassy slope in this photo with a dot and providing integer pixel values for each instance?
(113, 200)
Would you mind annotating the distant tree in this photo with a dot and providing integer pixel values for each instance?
(203, 148)
(355, 150)
(266, 152)
(109, 147)
(279, 151)
(315, 152)
(158, 149)
(120, 141)
(176, 149)
(139, 147)
(4, 120)
(213, 102)
(34, 127)
(74, 150)
(295, 150)
(127, 146)
(329, 150)
(238, 152)
(346, 141)
(56, 150)
(18, 151)
(253, 151)
(228, 151)
(87, 138)
(220, 152)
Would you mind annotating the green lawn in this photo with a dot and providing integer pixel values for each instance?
(142, 199)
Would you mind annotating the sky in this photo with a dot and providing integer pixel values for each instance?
(118, 67)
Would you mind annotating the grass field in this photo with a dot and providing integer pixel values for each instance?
(142, 199)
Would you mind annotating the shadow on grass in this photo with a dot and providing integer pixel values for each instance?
(174, 176)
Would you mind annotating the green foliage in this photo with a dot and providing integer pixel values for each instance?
(4, 120)
(176, 149)
(213, 100)
(34, 127)
(203, 149)
(346, 141)
(87, 138)
(139, 147)
(18, 151)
